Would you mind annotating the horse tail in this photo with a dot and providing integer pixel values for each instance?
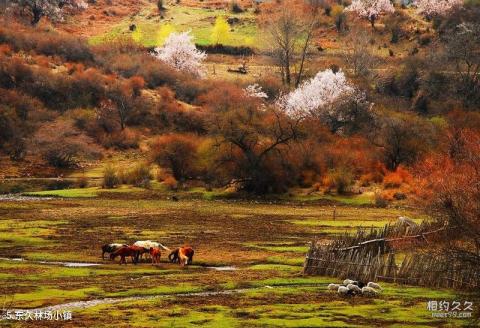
(165, 248)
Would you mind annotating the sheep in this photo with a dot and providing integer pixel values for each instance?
(359, 284)
(343, 291)
(354, 288)
(333, 286)
(369, 291)
(348, 281)
(374, 285)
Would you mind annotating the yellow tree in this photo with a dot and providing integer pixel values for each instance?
(162, 34)
(137, 35)
(221, 31)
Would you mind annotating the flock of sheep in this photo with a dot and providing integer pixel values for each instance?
(352, 288)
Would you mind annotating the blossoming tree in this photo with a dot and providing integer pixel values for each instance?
(329, 97)
(52, 9)
(180, 52)
(371, 9)
(430, 8)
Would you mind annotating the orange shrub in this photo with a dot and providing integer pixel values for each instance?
(171, 182)
(398, 178)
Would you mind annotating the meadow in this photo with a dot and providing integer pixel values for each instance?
(247, 269)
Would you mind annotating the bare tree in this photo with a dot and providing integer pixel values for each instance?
(358, 56)
(290, 30)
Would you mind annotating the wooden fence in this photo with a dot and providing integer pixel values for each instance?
(370, 255)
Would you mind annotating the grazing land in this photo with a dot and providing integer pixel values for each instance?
(247, 269)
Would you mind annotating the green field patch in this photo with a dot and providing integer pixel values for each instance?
(157, 290)
(82, 192)
(43, 295)
(152, 31)
(280, 247)
(275, 267)
(295, 261)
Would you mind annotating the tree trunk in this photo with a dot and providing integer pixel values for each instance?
(37, 14)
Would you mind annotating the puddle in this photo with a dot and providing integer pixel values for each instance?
(65, 264)
(20, 198)
(223, 268)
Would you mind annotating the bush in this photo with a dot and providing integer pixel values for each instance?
(177, 153)
(139, 176)
(171, 183)
(341, 179)
(66, 147)
(110, 178)
(380, 200)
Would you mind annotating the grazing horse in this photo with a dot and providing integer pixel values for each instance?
(147, 244)
(132, 251)
(182, 255)
(110, 248)
(155, 255)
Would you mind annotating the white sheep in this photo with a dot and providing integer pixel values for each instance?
(333, 286)
(348, 281)
(343, 291)
(354, 288)
(374, 285)
(369, 291)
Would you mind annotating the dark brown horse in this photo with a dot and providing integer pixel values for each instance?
(132, 251)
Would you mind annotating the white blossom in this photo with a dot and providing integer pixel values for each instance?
(371, 9)
(430, 8)
(255, 91)
(316, 94)
(180, 52)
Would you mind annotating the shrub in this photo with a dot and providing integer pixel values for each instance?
(110, 178)
(342, 179)
(66, 147)
(177, 153)
(139, 176)
(380, 200)
(397, 178)
(171, 183)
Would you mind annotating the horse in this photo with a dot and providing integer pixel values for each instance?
(155, 255)
(182, 255)
(147, 244)
(132, 251)
(110, 248)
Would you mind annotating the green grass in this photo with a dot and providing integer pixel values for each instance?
(82, 192)
(180, 18)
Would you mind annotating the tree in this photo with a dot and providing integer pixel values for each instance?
(449, 185)
(52, 9)
(220, 31)
(399, 137)
(124, 96)
(180, 53)
(290, 30)
(176, 152)
(463, 50)
(357, 56)
(253, 140)
(371, 9)
(328, 97)
(431, 8)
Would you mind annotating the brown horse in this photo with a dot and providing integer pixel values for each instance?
(182, 255)
(155, 254)
(132, 251)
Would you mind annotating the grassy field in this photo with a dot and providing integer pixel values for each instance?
(246, 272)
(152, 28)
